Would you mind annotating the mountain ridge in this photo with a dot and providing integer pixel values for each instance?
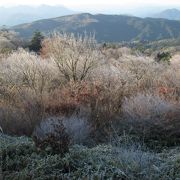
(111, 28)
(15, 15)
(171, 14)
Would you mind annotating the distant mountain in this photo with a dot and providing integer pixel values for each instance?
(110, 28)
(171, 14)
(11, 16)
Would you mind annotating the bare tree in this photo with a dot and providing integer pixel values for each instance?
(75, 57)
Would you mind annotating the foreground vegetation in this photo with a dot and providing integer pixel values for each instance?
(21, 160)
(77, 109)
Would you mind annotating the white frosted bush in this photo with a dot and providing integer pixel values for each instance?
(76, 127)
(22, 68)
(145, 106)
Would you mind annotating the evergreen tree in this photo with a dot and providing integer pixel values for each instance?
(35, 44)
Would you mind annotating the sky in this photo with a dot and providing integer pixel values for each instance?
(78, 3)
(108, 6)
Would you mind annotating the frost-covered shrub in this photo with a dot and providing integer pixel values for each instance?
(152, 118)
(145, 107)
(9, 41)
(22, 68)
(52, 134)
(20, 160)
(77, 128)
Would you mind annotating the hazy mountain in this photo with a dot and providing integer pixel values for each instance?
(10, 16)
(172, 14)
(112, 28)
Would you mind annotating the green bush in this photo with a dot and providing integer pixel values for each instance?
(163, 57)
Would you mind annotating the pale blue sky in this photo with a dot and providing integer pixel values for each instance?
(86, 3)
(137, 7)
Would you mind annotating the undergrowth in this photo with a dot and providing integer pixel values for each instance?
(21, 160)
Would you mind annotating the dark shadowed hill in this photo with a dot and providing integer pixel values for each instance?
(111, 28)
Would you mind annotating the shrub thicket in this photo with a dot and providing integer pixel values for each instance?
(9, 41)
(76, 92)
(71, 73)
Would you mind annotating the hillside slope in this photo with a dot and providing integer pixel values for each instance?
(111, 28)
